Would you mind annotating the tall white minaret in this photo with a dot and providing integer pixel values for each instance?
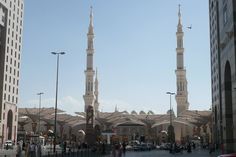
(89, 72)
(181, 81)
(96, 103)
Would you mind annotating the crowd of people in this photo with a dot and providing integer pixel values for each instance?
(30, 149)
(119, 149)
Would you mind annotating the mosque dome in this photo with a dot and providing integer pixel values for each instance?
(142, 112)
(150, 112)
(134, 112)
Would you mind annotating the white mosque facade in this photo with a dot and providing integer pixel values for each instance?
(122, 125)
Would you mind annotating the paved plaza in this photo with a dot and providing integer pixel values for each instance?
(154, 153)
(160, 153)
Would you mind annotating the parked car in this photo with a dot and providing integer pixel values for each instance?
(165, 146)
(137, 147)
(8, 144)
(129, 147)
(158, 147)
(145, 146)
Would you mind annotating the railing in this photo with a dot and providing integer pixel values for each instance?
(78, 153)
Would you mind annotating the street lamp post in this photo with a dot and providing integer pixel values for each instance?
(55, 120)
(39, 108)
(170, 106)
(171, 128)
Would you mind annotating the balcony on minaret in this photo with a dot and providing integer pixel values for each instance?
(180, 50)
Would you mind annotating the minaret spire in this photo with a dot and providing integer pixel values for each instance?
(91, 21)
(89, 72)
(181, 81)
(180, 20)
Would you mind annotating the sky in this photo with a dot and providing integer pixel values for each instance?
(135, 55)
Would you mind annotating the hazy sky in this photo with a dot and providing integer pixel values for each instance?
(135, 53)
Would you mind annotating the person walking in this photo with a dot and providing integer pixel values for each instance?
(116, 151)
(18, 150)
(124, 148)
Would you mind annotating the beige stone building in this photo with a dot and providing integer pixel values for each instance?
(223, 82)
(11, 29)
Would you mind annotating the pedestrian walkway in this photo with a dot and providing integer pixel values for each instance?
(163, 153)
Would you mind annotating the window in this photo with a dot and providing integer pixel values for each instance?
(4, 97)
(225, 16)
(8, 97)
(12, 98)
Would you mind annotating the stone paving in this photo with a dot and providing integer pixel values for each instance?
(154, 153)
(160, 153)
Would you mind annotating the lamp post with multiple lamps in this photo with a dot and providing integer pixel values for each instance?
(40, 94)
(55, 120)
(171, 133)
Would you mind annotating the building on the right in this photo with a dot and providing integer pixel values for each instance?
(223, 72)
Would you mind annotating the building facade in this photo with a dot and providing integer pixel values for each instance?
(223, 74)
(11, 29)
(181, 81)
(215, 73)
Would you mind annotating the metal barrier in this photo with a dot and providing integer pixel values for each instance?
(79, 153)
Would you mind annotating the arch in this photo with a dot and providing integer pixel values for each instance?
(9, 124)
(228, 107)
